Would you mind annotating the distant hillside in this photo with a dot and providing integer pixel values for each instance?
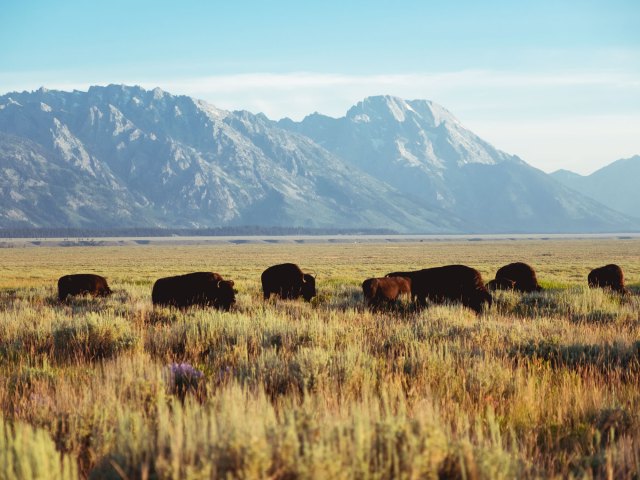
(125, 156)
(421, 149)
(121, 156)
(616, 185)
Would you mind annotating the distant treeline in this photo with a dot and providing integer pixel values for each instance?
(185, 232)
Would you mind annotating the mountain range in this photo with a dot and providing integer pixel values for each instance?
(615, 185)
(121, 156)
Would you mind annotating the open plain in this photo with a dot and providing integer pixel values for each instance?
(540, 385)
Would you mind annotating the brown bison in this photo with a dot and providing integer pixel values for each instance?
(609, 276)
(456, 283)
(379, 291)
(288, 281)
(501, 284)
(407, 275)
(205, 289)
(522, 274)
(82, 283)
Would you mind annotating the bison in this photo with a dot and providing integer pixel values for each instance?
(205, 289)
(522, 274)
(406, 275)
(609, 276)
(288, 281)
(456, 283)
(82, 283)
(501, 284)
(378, 291)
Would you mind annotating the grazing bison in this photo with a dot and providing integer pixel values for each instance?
(501, 284)
(609, 276)
(288, 281)
(379, 291)
(205, 289)
(82, 283)
(522, 274)
(407, 275)
(457, 283)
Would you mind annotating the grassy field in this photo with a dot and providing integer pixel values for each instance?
(541, 385)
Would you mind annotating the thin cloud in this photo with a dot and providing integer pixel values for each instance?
(466, 78)
(215, 84)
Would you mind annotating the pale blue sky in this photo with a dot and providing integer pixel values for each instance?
(557, 83)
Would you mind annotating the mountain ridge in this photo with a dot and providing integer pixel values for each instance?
(428, 146)
(614, 185)
(126, 156)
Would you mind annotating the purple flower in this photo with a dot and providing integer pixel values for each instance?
(183, 377)
(184, 370)
(224, 373)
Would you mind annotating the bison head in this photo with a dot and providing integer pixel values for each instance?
(308, 286)
(225, 295)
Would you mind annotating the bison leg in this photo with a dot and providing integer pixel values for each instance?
(474, 304)
(477, 301)
(292, 292)
(379, 303)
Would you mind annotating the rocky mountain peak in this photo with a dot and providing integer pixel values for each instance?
(121, 155)
(387, 108)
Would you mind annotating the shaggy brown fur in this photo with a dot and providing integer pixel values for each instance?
(521, 273)
(384, 291)
(288, 281)
(501, 284)
(609, 276)
(82, 283)
(205, 289)
(455, 283)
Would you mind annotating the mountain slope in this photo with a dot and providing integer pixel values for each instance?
(175, 161)
(615, 185)
(38, 188)
(125, 156)
(421, 149)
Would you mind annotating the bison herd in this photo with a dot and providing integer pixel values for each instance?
(203, 289)
(459, 283)
(450, 283)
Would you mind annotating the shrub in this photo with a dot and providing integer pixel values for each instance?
(93, 337)
(29, 453)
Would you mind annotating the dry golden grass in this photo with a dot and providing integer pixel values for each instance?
(541, 385)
